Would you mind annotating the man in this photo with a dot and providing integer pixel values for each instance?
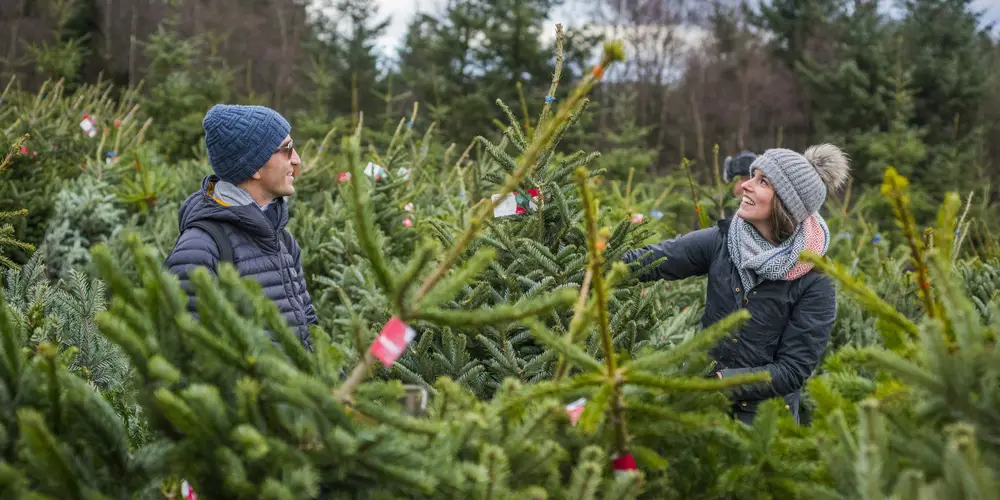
(240, 212)
(734, 169)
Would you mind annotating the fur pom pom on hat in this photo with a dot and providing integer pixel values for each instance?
(830, 163)
(802, 181)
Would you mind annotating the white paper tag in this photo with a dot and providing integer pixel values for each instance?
(88, 126)
(506, 207)
(187, 492)
(374, 170)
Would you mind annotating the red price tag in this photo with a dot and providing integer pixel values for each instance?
(392, 341)
(575, 409)
(623, 464)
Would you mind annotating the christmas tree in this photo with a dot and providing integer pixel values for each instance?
(478, 339)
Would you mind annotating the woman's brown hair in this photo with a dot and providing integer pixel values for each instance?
(782, 224)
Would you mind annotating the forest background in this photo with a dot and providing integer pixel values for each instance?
(909, 83)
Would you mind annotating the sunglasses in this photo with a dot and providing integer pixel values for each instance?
(287, 149)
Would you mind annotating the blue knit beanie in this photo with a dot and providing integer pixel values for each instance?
(240, 139)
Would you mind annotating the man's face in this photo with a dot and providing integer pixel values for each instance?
(738, 187)
(277, 176)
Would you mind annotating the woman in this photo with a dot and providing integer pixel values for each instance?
(752, 262)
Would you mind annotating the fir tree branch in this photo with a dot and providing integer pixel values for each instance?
(45, 454)
(15, 149)
(504, 313)
(688, 384)
(417, 264)
(344, 393)
(577, 324)
(706, 338)
(556, 75)
(449, 287)
(597, 406)
(894, 187)
(13, 363)
(595, 249)
(362, 223)
(907, 370)
(9, 264)
(867, 297)
(548, 388)
(46, 352)
(944, 233)
(657, 413)
(11, 242)
(612, 52)
(962, 228)
(958, 314)
(595, 244)
(514, 131)
(585, 481)
(567, 351)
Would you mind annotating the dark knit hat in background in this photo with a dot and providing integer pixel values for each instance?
(738, 166)
(801, 180)
(240, 139)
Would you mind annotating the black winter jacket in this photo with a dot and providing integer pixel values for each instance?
(258, 252)
(790, 320)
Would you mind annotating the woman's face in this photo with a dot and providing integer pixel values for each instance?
(758, 195)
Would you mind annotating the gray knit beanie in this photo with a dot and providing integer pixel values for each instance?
(240, 139)
(801, 181)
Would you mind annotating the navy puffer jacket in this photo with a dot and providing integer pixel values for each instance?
(258, 251)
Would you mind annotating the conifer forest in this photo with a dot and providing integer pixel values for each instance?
(535, 363)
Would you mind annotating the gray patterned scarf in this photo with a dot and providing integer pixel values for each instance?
(757, 259)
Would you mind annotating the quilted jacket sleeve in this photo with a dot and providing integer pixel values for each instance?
(194, 248)
(686, 255)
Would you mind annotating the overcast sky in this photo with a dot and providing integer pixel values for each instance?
(401, 12)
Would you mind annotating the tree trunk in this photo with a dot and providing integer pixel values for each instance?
(132, 42)
(744, 124)
(699, 126)
(282, 65)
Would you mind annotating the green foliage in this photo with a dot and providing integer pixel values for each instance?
(62, 59)
(447, 68)
(7, 239)
(796, 23)
(110, 388)
(51, 422)
(85, 214)
(57, 149)
(187, 80)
